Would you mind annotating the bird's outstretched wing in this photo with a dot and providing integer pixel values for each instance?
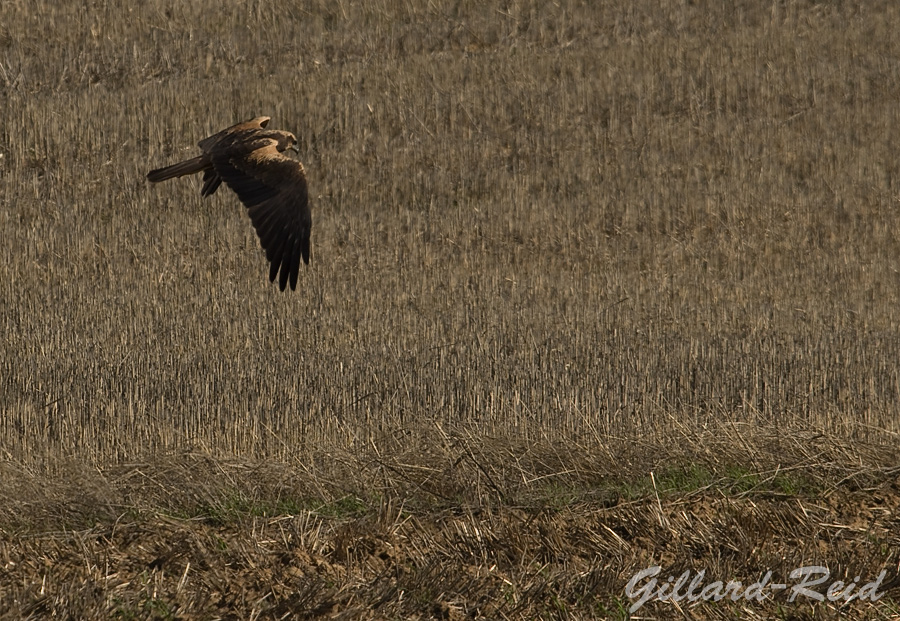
(273, 188)
(255, 123)
(211, 179)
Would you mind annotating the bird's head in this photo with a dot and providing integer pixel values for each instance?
(286, 142)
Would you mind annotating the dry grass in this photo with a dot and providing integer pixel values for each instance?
(555, 248)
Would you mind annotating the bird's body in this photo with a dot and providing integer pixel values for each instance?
(250, 160)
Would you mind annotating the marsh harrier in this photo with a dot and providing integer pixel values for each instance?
(249, 159)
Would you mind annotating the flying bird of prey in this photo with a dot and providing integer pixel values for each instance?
(249, 159)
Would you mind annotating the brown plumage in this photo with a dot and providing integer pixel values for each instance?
(248, 158)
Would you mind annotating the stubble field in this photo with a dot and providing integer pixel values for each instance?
(594, 287)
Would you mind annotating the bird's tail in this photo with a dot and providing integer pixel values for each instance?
(188, 167)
